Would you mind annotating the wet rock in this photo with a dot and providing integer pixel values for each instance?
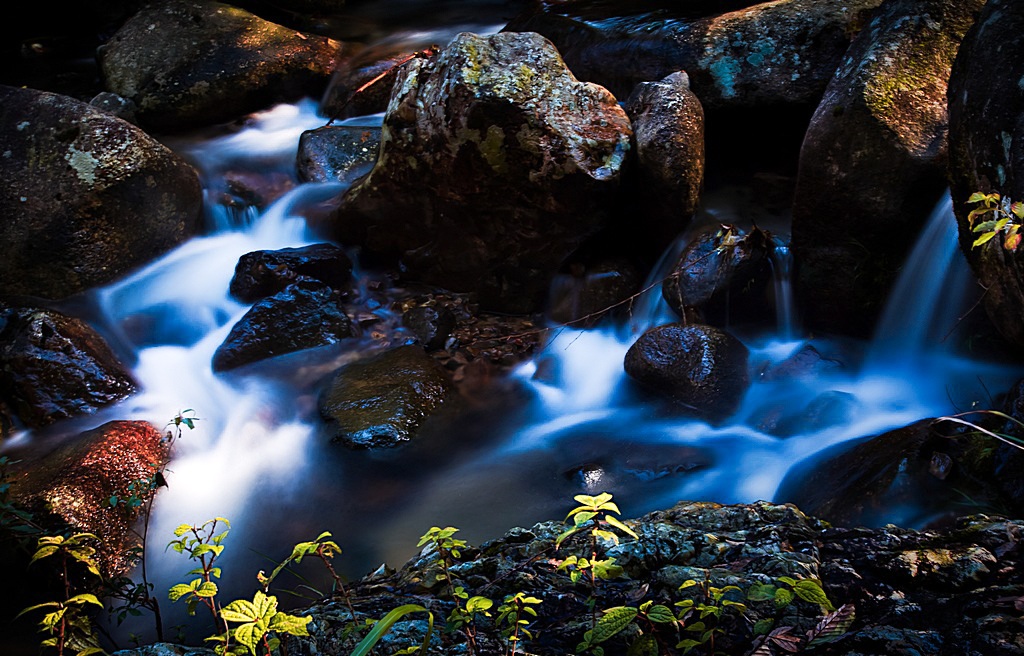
(263, 273)
(249, 191)
(722, 276)
(874, 161)
(986, 145)
(432, 325)
(115, 105)
(668, 126)
(337, 154)
(587, 293)
(384, 401)
(186, 63)
(912, 591)
(89, 196)
(302, 316)
(495, 164)
(360, 87)
(806, 362)
(55, 366)
(701, 368)
(769, 54)
(915, 474)
(76, 481)
(828, 409)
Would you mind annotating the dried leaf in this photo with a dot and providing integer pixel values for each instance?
(833, 627)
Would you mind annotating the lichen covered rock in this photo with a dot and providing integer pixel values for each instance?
(194, 62)
(495, 163)
(88, 195)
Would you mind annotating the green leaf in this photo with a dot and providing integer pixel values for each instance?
(207, 589)
(561, 538)
(380, 628)
(583, 517)
(983, 239)
(84, 598)
(622, 527)
(248, 636)
(661, 614)
(178, 591)
(810, 590)
(290, 624)
(976, 197)
(240, 610)
(986, 226)
(763, 626)
(478, 604)
(613, 621)
(783, 597)
(760, 592)
(687, 584)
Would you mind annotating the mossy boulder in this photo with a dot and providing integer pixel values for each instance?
(384, 400)
(88, 196)
(186, 63)
(986, 142)
(495, 163)
(873, 161)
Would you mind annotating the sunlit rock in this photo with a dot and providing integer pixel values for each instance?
(384, 400)
(771, 53)
(668, 127)
(700, 368)
(495, 164)
(874, 159)
(88, 195)
(55, 366)
(303, 315)
(186, 63)
(722, 276)
(986, 143)
(77, 481)
(263, 273)
(337, 153)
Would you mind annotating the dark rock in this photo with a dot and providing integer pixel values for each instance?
(700, 368)
(668, 128)
(986, 144)
(587, 293)
(723, 276)
(302, 316)
(76, 481)
(384, 401)
(263, 273)
(806, 362)
(115, 105)
(432, 325)
(874, 160)
(254, 190)
(55, 366)
(89, 196)
(186, 63)
(828, 409)
(337, 153)
(769, 54)
(495, 164)
(360, 87)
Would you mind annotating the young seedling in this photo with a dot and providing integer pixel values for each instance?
(466, 608)
(511, 621)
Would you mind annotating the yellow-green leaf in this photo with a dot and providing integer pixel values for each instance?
(982, 239)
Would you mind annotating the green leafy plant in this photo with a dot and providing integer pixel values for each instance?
(259, 622)
(702, 616)
(614, 620)
(511, 620)
(463, 616)
(995, 215)
(203, 544)
(66, 621)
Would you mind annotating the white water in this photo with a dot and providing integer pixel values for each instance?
(256, 458)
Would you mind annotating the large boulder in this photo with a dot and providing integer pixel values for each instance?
(76, 483)
(263, 273)
(668, 128)
(495, 164)
(986, 145)
(193, 62)
(53, 366)
(384, 400)
(700, 368)
(88, 196)
(772, 53)
(873, 160)
(301, 316)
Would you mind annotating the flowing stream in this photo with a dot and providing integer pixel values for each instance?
(572, 424)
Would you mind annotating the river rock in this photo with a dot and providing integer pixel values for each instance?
(772, 53)
(700, 368)
(588, 292)
(495, 164)
(89, 196)
(302, 316)
(186, 63)
(55, 366)
(722, 276)
(263, 273)
(361, 86)
(986, 143)
(337, 153)
(431, 324)
(76, 481)
(874, 160)
(384, 401)
(668, 128)
(911, 476)
(912, 592)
